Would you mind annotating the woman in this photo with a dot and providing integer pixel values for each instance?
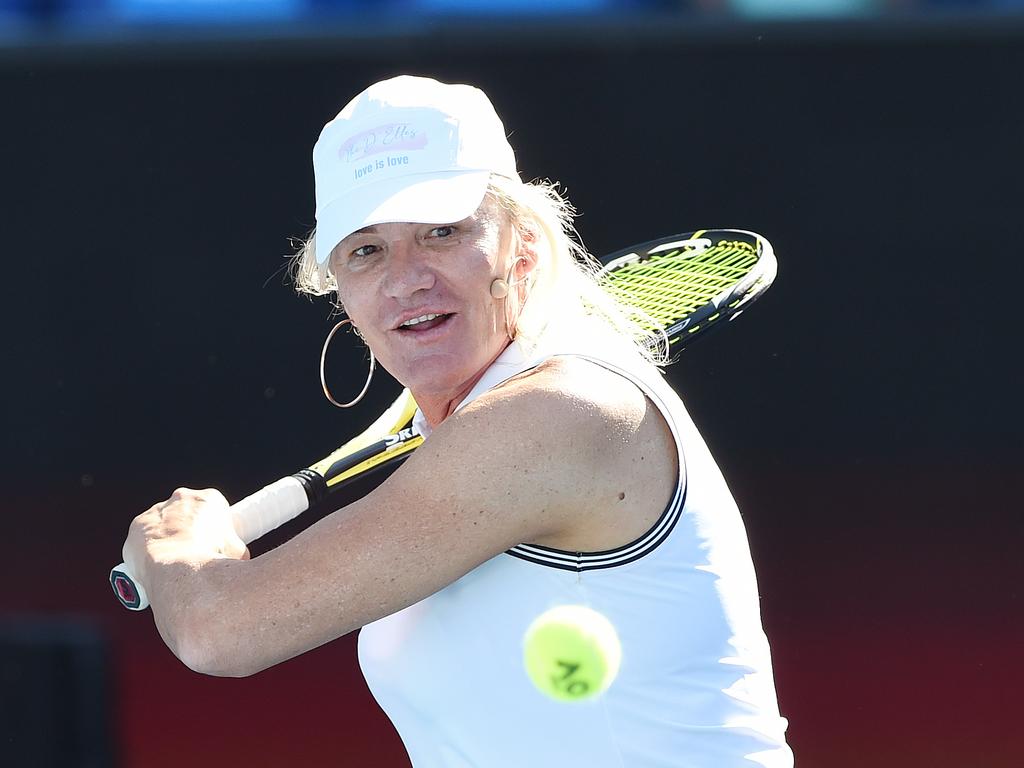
(559, 468)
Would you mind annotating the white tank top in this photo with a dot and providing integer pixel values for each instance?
(695, 687)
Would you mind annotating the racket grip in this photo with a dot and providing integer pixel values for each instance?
(252, 517)
(274, 505)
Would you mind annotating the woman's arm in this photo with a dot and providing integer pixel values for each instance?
(551, 457)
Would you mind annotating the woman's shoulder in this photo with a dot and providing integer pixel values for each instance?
(609, 441)
(571, 389)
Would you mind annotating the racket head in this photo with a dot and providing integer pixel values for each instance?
(688, 283)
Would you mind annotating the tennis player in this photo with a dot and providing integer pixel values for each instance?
(559, 468)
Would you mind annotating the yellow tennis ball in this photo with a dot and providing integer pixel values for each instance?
(572, 653)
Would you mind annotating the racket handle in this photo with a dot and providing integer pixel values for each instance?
(271, 507)
(252, 517)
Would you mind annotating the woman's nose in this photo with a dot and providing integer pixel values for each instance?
(408, 270)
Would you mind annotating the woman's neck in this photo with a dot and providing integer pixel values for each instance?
(437, 407)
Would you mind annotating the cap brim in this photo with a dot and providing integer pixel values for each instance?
(437, 198)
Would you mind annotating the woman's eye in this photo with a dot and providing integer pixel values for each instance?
(363, 251)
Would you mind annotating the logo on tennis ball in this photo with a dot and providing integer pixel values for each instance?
(571, 653)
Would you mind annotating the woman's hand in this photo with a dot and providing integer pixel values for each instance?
(179, 550)
(191, 527)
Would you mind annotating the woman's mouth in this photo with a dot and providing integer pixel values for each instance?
(423, 322)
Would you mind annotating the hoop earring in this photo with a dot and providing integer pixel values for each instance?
(323, 377)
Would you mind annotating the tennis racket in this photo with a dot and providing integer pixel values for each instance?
(686, 284)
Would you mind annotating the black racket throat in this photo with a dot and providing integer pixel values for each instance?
(313, 484)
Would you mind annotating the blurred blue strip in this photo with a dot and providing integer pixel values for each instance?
(206, 10)
(29, 18)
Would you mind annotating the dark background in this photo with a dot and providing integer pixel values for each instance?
(866, 412)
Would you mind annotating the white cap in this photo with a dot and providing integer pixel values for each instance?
(406, 149)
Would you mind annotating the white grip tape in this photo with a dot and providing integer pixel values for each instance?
(269, 508)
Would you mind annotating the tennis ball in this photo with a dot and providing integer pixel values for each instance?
(571, 653)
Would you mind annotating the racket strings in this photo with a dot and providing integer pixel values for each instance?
(670, 285)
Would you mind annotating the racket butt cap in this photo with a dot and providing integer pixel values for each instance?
(131, 595)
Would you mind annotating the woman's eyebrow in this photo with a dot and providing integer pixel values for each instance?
(369, 229)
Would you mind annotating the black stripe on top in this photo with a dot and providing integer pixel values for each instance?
(592, 561)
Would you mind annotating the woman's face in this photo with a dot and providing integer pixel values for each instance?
(420, 296)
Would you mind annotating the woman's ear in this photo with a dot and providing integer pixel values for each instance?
(526, 254)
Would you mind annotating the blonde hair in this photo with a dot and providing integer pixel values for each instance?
(563, 286)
